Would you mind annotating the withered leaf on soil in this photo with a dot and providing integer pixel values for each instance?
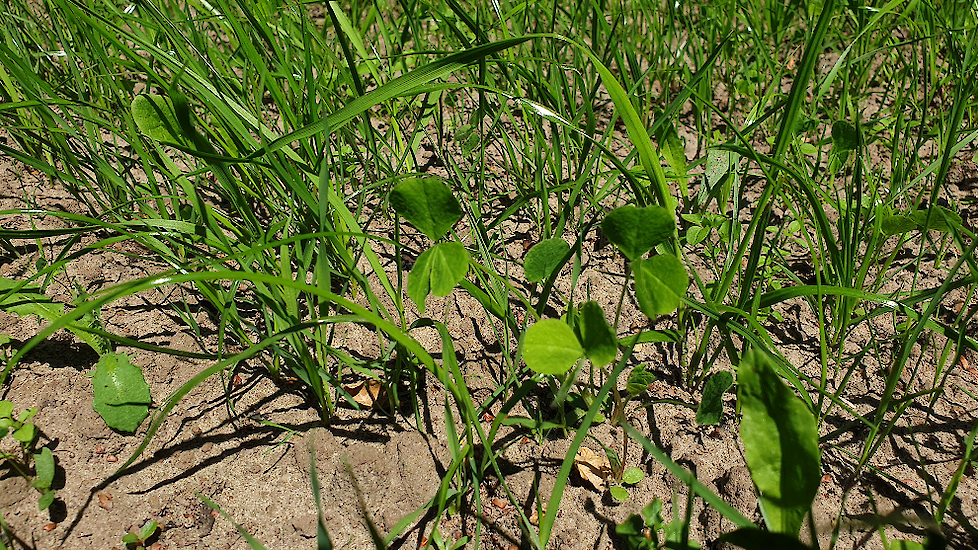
(592, 467)
(369, 394)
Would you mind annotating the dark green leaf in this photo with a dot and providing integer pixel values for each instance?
(780, 444)
(845, 137)
(600, 344)
(551, 347)
(711, 407)
(437, 271)
(660, 282)
(755, 539)
(906, 545)
(544, 258)
(428, 204)
(632, 532)
(635, 230)
(122, 396)
(639, 380)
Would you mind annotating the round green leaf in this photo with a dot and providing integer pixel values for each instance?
(24, 434)
(619, 493)
(600, 344)
(660, 282)
(550, 347)
(121, 394)
(428, 204)
(632, 476)
(780, 444)
(544, 258)
(845, 137)
(635, 230)
(437, 271)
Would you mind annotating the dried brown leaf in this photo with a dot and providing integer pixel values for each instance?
(594, 468)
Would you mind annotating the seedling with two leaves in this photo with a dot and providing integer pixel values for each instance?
(36, 467)
(555, 347)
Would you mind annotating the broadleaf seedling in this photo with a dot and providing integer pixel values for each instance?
(551, 347)
(121, 394)
(544, 258)
(636, 230)
(428, 204)
(597, 337)
(711, 407)
(437, 271)
(660, 283)
(780, 444)
(23, 462)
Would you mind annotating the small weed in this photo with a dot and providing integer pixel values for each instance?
(37, 467)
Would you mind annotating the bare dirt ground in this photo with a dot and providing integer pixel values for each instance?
(244, 442)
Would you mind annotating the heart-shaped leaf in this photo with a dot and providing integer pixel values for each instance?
(660, 282)
(428, 204)
(551, 347)
(122, 396)
(780, 444)
(437, 271)
(711, 407)
(544, 258)
(599, 341)
(635, 230)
